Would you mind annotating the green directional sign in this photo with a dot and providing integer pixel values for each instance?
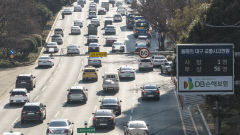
(86, 130)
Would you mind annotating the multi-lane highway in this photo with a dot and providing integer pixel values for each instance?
(52, 83)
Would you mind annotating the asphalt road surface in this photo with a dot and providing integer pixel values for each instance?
(52, 84)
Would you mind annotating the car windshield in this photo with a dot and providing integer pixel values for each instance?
(23, 78)
(31, 108)
(58, 124)
(137, 125)
(150, 87)
(109, 27)
(117, 43)
(17, 93)
(76, 91)
(109, 101)
(103, 113)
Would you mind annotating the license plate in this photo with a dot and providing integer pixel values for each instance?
(30, 113)
(18, 100)
(103, 124)
(150, 95)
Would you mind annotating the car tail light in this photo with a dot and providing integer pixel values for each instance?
(151, 63)
(94, 118)
(157, 91)
(140, 63)
(24, 112)
(143, 91)
(111, 118)
(49, 131)
(66, 131)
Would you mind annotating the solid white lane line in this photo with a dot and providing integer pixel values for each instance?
(14, 121)
(56, 114)
(44, 88)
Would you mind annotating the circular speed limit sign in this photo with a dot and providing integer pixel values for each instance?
(143, 53)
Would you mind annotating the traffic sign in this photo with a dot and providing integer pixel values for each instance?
(11, 51)
(98, 54)
(206, 69)
(144, 53)
(86, 130)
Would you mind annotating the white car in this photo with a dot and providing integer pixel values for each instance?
(145, 63)
(45, 61)
(158, 60)
(75, 30)
(126, 72)
(117, 18)
(52, 47)
(78, 22)
(95, 21)
(57, 38)
(92, 14)
(119, 3)
(140, 45)
(73, 49)
(136, 127)
(110, 30)
(77, 8)
(67, 11)
(167, 67)
(12, 133)
(18, 96)
(143, 39)
(60, 127)
(94, 61)
(122, 11)
(118, 46)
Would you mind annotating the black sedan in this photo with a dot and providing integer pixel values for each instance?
(104, 118)
(112, 103)
(150, 91)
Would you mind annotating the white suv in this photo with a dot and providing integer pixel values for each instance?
(158, 60)
(145, 63)
(19, 95)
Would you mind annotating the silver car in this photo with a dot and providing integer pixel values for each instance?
(158, 60)
(94, 61)
(45, 61)
(57, 38)
(75, 30)
(60, 127)
(136, 127)
(167, 67)
(73, 49)
(110, 30)
(77, 93)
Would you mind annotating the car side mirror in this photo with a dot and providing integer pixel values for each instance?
(93, 113)
(120, 100)
(86, 89)
(141, 87)
(44, 106)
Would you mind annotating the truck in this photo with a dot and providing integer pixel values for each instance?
(92, 29)
(110, 82)
(105, 5)
(141, 27)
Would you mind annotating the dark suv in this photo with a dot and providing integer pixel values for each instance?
(77, 93)
(104, 118)
(27, 81)
(111, 103)
(33, 111)
(150, 91)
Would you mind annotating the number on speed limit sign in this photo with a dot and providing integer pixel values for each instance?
(144, 53)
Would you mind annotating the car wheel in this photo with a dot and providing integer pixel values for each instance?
(162, 71)
(68, 101)
(133, 78)
(85, 101)
(143, 98)
(113, 126)
(41, 121)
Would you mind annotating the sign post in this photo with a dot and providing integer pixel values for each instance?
(206, 69)
(86, 129)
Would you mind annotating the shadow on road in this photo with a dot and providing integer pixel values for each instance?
(13, 106)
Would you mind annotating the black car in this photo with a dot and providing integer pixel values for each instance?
(33, 111)
(150, 91)
(111, 103)
(77, 93)
(108, 22)
(104, 118)
(92, 39)
(27, 81)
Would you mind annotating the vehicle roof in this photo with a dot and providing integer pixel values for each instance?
(92, 36)
(77, 87)
(58, 28)
(65, 120)
(89, 67)
(94, 19)
(137, 121)
(32, 104)
(110, 73)
(150, 85)
(75, 27)
(24, 75)
(109, 98)
(126, 66)
(111, 37)
(19, 90)
(77, 20)
(117, 14)
(44, 56)
(94, 58)
(12, 133)
(142, 36)
(93, 44)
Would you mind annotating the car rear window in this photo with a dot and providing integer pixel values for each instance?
(23, 78)
(107, 101)
(150, 87)
(103, 113)
(76, 91)
(17, 93)
(137, 125)
(89, 70)
(145, 60)
(31, 108)
(58, 124)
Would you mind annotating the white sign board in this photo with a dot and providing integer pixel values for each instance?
(144, 53)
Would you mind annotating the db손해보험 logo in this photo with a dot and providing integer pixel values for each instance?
(188, 84)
